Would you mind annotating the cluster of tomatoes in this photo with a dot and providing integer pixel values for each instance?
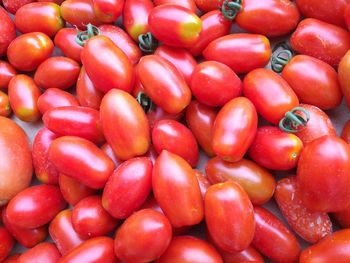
(134, 90)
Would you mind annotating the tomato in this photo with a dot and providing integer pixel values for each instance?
(43, 252)
(187, 249)
(28, 51)
(343, 217)
(87, 94)
(152, 154)
(79, 13)
(175, 25)
(347, 15)
(321, 40)
(12, 259)
(128, 187)
(143, 237)
(189, 4)
(5, 109)
(163, 83)
(229, 216)
(200, 120)
(241, 52)
(231, 142)
(344, 80)
(7, 31)
(7, 72)
(329, 248)
(214, 83)
(65, 41)
(175, 137)
(255, 180)
(321, 161)
(54, 98)
(62, 232)
(132, 138)
(208, 5)
(250, 254)
(108, 11)
(107, 149)
(7, 243)
(203, 182)
(180, 58)
(345, 134)
(14, 176)
(135, 17)
(174, 180)
(214, 25)
(157, 114)
(78, 121)
(45, 171)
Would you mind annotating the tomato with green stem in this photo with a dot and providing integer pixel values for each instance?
(7, 31)
(54, 98)
(108, 11)
(65, 41)
(7, 72)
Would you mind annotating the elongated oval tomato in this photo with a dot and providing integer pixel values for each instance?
(5, 109)
(321, 40)
(65, 41)
(54, 98)
(321, 161)
(255, 180)
(174, 180)
(241, 52)
(13, 5)
(163, 83)
(82, 160)
(231, 142)
(344, 79)
(43, 252)
(7, 243)
(108, 11)
(132, 136)
(7, 31)
(189, 4)
(7, 72)
(229, 216)
(270, 94)
(175, 25)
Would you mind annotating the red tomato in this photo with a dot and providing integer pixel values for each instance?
(107, 149)
(174, 180)
(229, 216)
(7, 31)
(128, 187)
(311, 226)
(54, 98)
(132, 138)
(158, 114)
(208, 5)
(108, 11)
(175, 137)
(189, 4)
(321, 40)
(335, 246)
(344, 79)
(5, 109)
(13, 258)
(163, 83)
(203, 182)
(255, 180)
(241, 52)
(143, 237)
(250, 254)
(345, 134)
(321, 161)
(65, 41)
(44, 252)
(175, 25)
(7, 243)
(346, 14)
(343, 217)
(78, 121)
(13, 5)
(231, 142)
(7, 72)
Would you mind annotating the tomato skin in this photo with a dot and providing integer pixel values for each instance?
(43, 252)
(78, 121)
(5, 109)
(189, 4)
(107, 11)
(158, 114)
(345, 134)
(229, 216)
(231, 142)
(54, 98)
(7, 31)
(214, 25)
(107, 149)
(344, 79)
(163, 83)
(203, 182)
(13, 5)
(65, 41)
(347, 15)
(11, 259)
(132, 138)
(255, 180)
(188, 249)
(173, 179)
(250, 254)
(241, 52)
(175, 25)
(7, 72)
(321, 161)
(143, 237)
(7, 243)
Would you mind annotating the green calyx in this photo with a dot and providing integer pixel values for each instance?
(147, 43)
(83, 36)
(145, 102)
(293, 122)
(280, 58)
(230, 9)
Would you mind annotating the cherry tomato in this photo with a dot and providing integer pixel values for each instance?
(43, 252)
(163, 83)
(229, 216)
(241, 52)
(345, 134)
(5, 109)
(189, 4)
(157, 114)
(12, 259)
(7, 243)
(175, 25)
(321, 161)
(107, 149)
(7, 72)
(255, 180)
(250, 254)
(65, 41)
(54, 98)
(344, 79)
(143, 237)
(174, 180)
(321, 40)
(7, 31)
(203, 182)
(231, 142)
(108, 11)
(128, 187)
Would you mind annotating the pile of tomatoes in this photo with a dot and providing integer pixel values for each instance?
(130, 93)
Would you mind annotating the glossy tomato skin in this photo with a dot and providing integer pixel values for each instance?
(107, 149)
(54, 98)
(5, 109)
(175, 25)
(270, 94)
(321, 40)
(345, 134)
(321, 161)
(43, 252)
(255, 180)
(7, 243)
(13, 5)
(229, 216)
(163, 83)
(347, 15)
(344, 78)
(7, 72)
(78, 121)
(208, 5)
(108, 11)
(311, 226)
(174, 180)
(28, 51)
(241, 52)
(65, 41)
(132, 138)
(203, 182)
(189, 4)
(143, 237)
(250, 254)
(7, 31)
(231, 142)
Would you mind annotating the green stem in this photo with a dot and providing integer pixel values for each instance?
(83, 36)
(281, 58)
(230, 9)
(147, 43)
(145, 102)
(293, 122)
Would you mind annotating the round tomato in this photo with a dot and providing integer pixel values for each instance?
(7, 31)
(5, 109)
(43, 252)
(108, 11)
(65, 41)
(7, 72)
(54, 98)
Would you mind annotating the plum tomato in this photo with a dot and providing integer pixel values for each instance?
(54, 98)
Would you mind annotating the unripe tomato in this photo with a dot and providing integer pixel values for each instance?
(65, 41)
(7, 72)
(7, 31)
(108, 11)
(43, 252)
(7, 243)
(54, 98)
(5, 109)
